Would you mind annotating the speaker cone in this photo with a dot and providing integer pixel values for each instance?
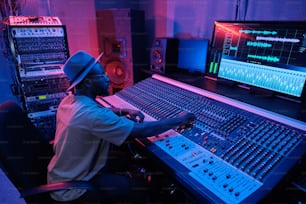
(116, 72)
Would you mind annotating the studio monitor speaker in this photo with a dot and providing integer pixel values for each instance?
(164, 55)
(122, 38)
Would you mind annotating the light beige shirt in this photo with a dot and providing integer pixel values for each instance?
(84, 131)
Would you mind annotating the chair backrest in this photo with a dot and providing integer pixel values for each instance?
(24, 153)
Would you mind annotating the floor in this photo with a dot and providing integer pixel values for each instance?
(8, 192)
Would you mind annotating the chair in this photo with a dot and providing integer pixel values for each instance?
(25, 154)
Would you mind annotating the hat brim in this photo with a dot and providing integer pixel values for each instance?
(84, 73)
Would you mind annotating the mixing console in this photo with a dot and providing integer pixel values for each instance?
(234, 153)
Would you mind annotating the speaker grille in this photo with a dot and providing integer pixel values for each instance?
(123, 44)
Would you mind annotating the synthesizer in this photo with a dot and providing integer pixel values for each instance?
(233, 153)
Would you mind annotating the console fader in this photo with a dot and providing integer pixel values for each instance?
(234, 153)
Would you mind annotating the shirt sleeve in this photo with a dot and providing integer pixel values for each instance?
(110, 127)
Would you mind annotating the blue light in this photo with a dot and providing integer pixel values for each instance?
(192, 54)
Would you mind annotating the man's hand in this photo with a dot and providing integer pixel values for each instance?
(187, 119)
(134, 115)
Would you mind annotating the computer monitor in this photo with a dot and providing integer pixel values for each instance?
(192, 55)
(263, 54)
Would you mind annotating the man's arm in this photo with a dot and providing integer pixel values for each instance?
(151, 128)
(134, 115)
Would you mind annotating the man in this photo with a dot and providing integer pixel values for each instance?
(85, 130)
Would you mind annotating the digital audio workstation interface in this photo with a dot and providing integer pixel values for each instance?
(267, 55)
(234, 152)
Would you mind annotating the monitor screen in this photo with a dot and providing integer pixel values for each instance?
(268, 55)
(192, 54)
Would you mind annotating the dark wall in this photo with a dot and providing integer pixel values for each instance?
(163, 18)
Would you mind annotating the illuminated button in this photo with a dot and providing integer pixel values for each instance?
(213, 150)
(42, 97)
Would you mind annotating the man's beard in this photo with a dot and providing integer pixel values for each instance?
(103, 92)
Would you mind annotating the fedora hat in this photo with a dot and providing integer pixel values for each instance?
(78, 66)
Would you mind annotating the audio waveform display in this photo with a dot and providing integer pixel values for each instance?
(258, 44)
(266, 77)
(302, 49)
(277, 39)
(265, 58)
(258, 32)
